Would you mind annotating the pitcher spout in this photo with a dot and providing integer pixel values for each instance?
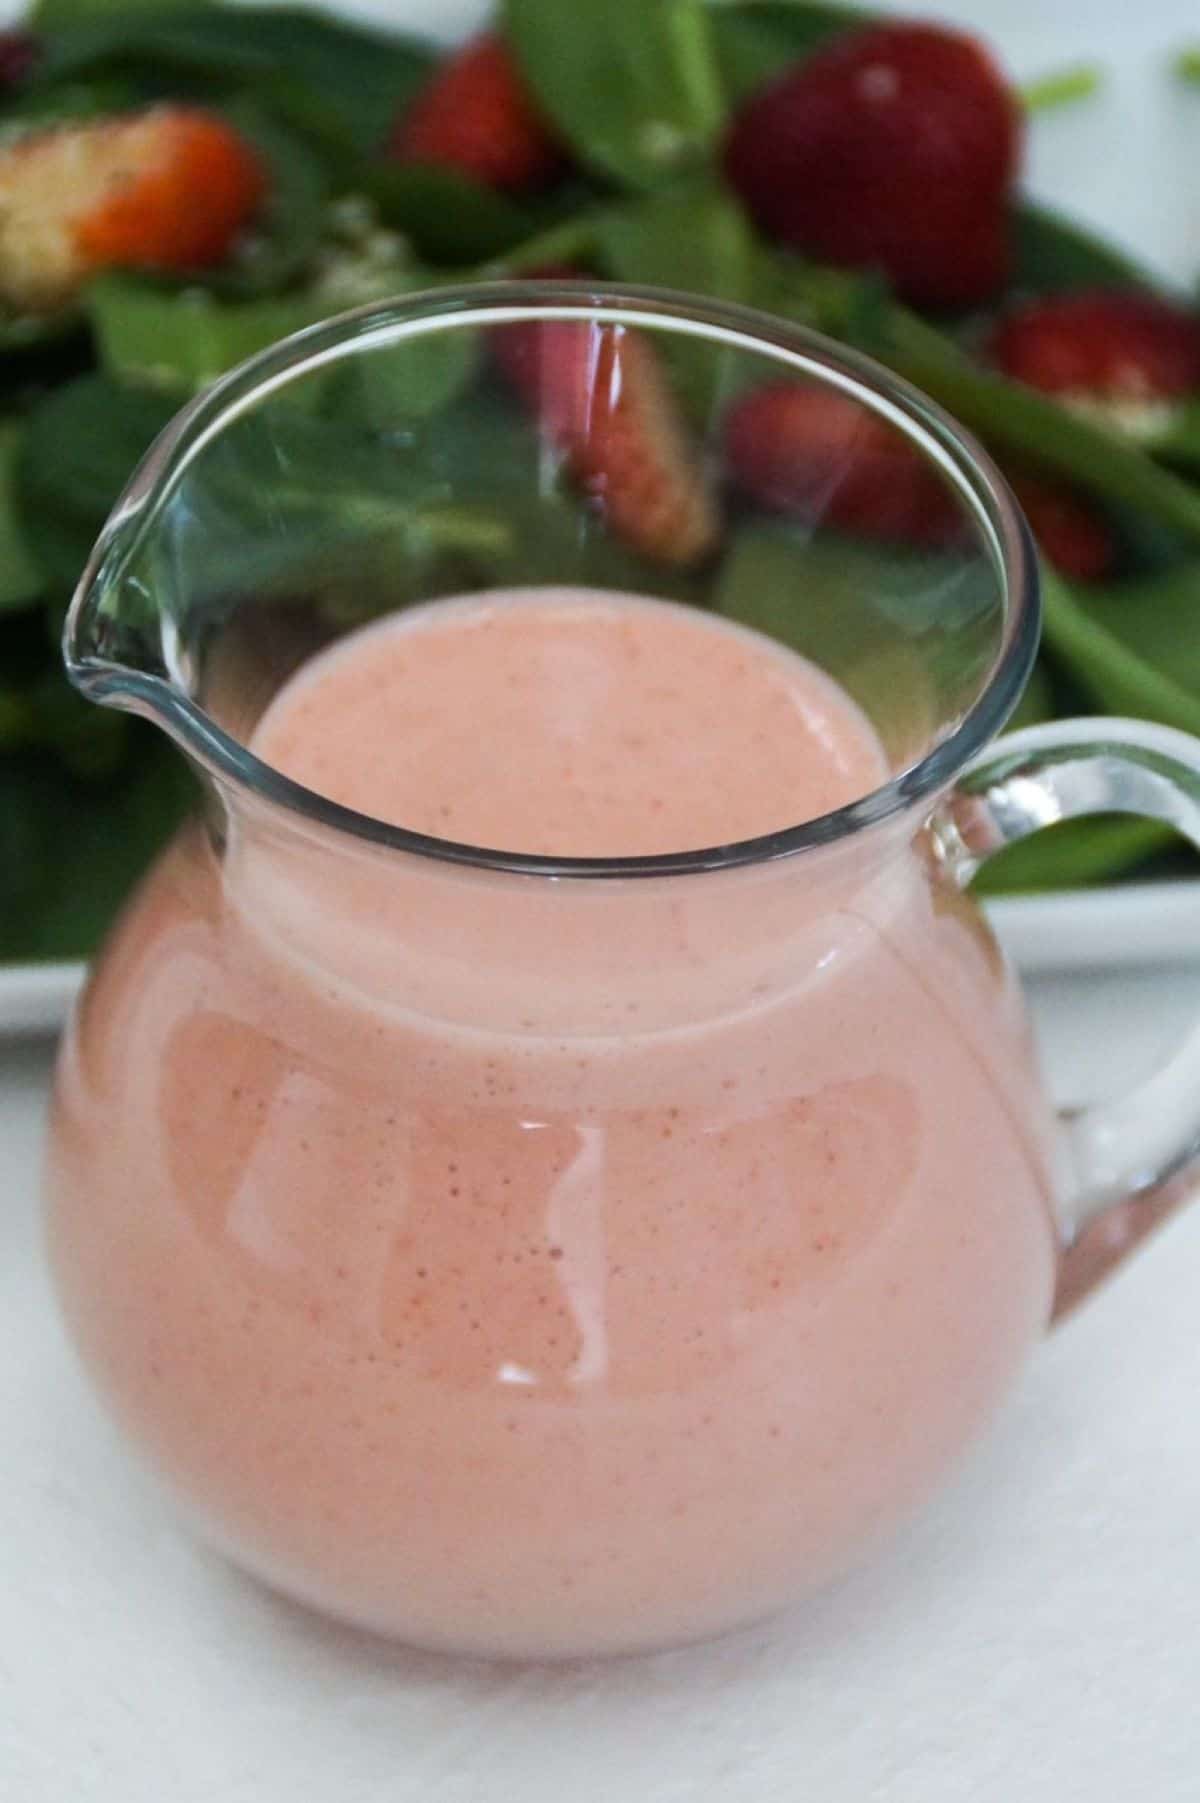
(113, 640)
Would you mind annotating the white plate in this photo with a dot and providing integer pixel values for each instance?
(1125, 163)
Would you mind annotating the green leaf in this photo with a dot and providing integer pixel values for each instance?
(908, 634)
(71, 102)
(1074, 854)
(571, 241)
(757, 41)
(1019, 419)
(182, 340)
(47, 715)
(694, 237)
(1134, 648)
(1052, 255)
(449, 218)
(1008, 415)
(70, 851)
(129, 40)
(82, 442)
(634, 87)
(314, 511)
(365, 78)
(49, 15)
(485, 453)
(1063, 87)
(1037, 703)
(20, 576)
(392, 388)
(1179, 440)
(362, 78)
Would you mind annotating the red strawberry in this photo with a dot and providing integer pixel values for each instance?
(1078, 541)
(476, 114)
(798, 448)
(894, 148)
(600, 395)
(19, 51)
(1110, 351)
(167, 189)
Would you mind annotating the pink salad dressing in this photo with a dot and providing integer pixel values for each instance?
(547, 1267)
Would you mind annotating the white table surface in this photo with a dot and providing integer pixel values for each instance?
(1034, 1638)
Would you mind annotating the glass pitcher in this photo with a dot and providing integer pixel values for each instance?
(531, 1255)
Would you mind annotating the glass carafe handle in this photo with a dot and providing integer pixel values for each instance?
(1132, 1161)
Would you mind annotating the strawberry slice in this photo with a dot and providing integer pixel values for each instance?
(799, 448)
(894, 148)
(167, 189)
(601, 396)
(1123, 356)
(477, 115)
(810, 451)
(1078, 541)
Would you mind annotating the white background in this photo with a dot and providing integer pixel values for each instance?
(1035, 1638)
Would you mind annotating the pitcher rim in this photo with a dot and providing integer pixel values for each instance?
(978, 482)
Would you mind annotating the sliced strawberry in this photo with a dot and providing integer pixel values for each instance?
(167, 189)
(601, 396)
(1123, 354)
(477, 115)
(1078, 541)
(894, 148)
(798, 448)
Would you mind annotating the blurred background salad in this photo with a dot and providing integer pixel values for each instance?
(180, 185)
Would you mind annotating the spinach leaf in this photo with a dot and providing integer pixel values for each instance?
(1135, 648)
(361, 78)
(35, 331)
(1073, 854)
(757, 41)
(311, 510)
(903, 632)
(483, 452)
(392, 388)
(365, 78)
(82, 443)
(573, 241)
(181, 340)
(449, 218)
(47, 715)
(70, 851)
(1179, 440)
(634, 88)
(1037, 703)
(48, 15)
(71, 102)
(20, 577)
(693, 237)
(1052, 255)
